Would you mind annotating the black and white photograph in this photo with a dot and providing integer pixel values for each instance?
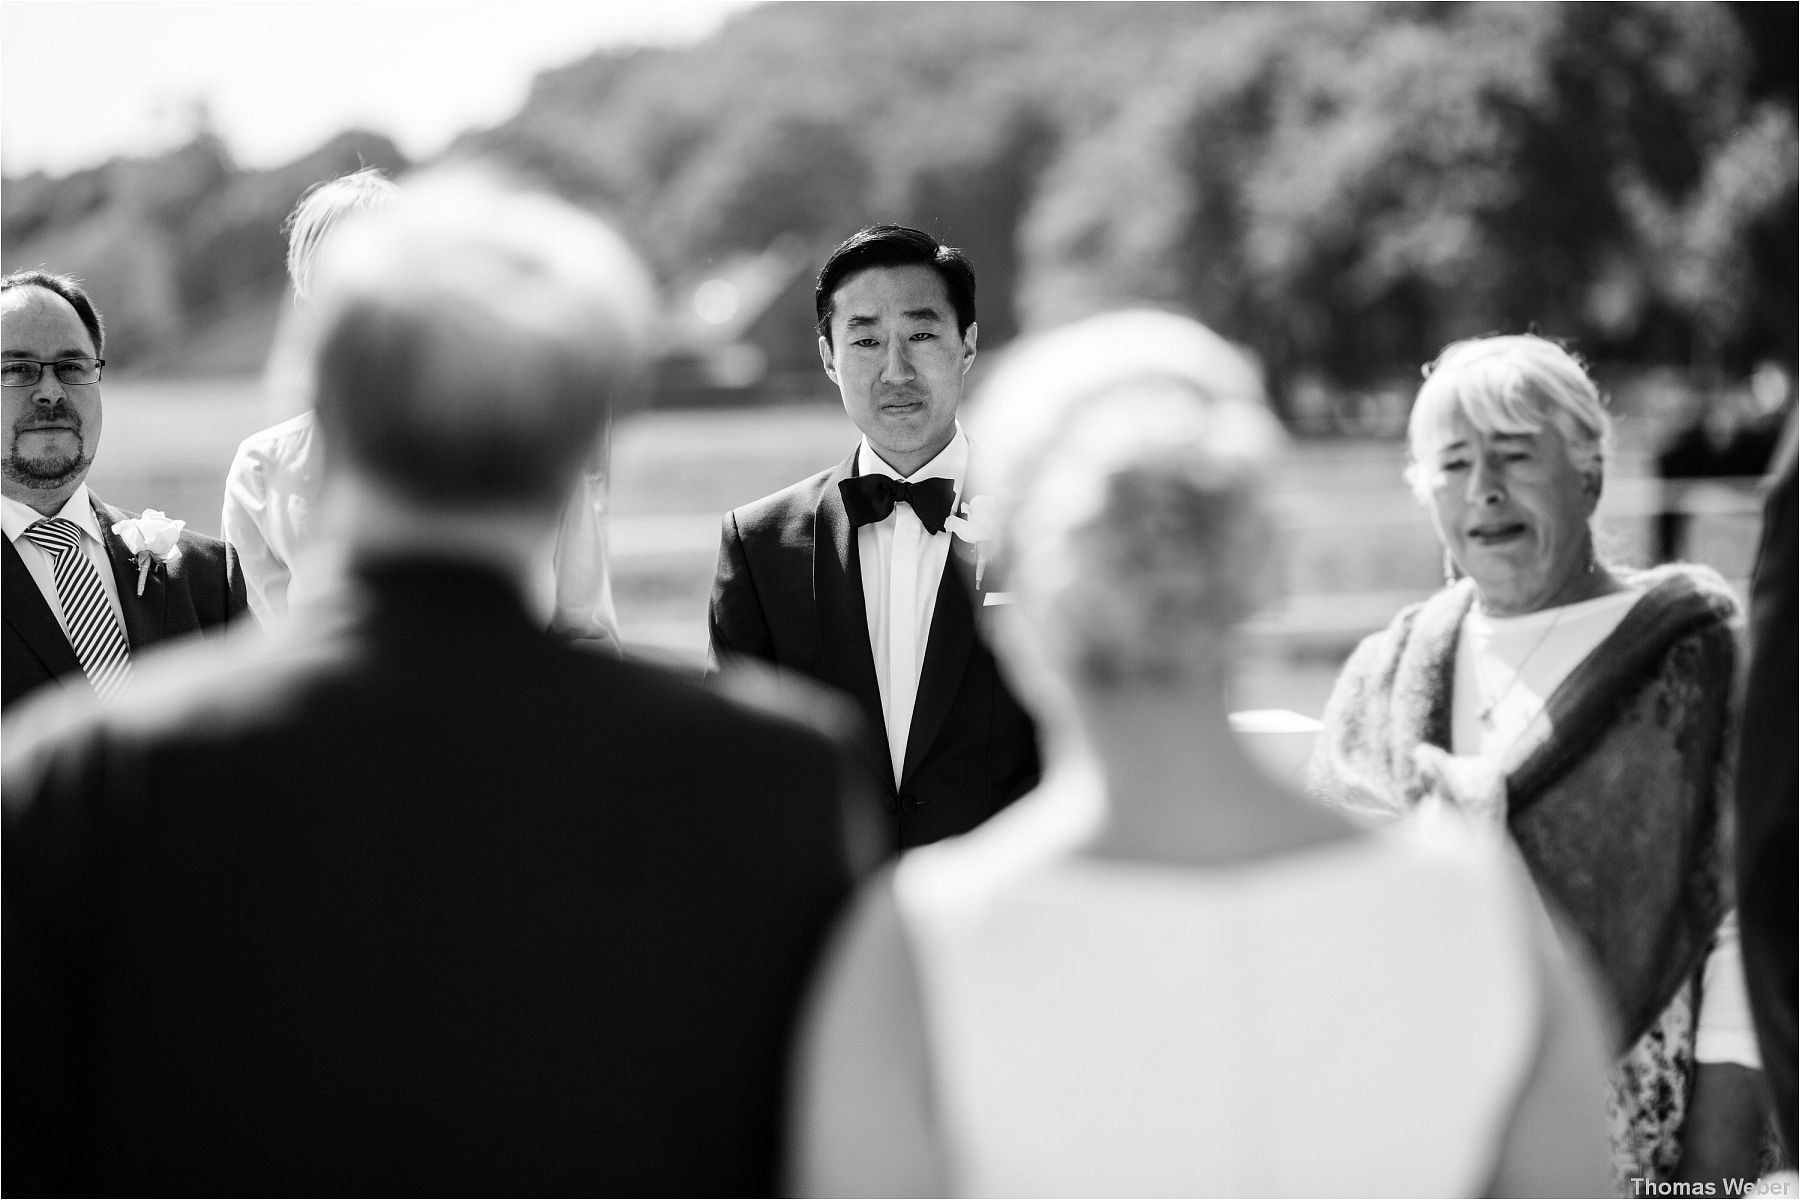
(899, 598)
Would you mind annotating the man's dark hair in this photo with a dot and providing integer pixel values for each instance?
(66, 287)
(896, 246)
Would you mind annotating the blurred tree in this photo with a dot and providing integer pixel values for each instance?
(171, 245)
(233, 245)
(976, 202)
(794, 174)
(1773, 322)
(1343, 188)
(1350, 187)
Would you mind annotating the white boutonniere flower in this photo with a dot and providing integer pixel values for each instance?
(153, 538)
(977, 522)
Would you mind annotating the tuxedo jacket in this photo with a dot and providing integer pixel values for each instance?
(405, 899)
(199, 592)
(789, 591)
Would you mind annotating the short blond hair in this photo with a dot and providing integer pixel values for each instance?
(322, 209)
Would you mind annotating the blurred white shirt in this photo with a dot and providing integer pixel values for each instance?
(273, 486)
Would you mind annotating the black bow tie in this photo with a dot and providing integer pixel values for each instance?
(870, 498)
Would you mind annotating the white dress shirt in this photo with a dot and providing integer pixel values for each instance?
(16, 517)
(902, 566)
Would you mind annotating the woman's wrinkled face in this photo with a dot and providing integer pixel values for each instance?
(1512, 510)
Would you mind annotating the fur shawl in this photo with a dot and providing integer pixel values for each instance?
(1616, 805)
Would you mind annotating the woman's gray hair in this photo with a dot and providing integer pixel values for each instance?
(1509, 383)
(1132, 452)
(321, 209)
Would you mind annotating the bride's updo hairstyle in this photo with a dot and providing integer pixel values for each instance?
(1133, 451)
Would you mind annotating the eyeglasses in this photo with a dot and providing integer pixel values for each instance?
(25, 372)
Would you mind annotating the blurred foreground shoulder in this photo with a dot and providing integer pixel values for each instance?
(194, 689)
(861, 1115)
(791, 697)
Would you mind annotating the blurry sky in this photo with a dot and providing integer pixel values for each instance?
(85, 80)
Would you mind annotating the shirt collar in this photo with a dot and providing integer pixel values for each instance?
(952, 462)
(16, 516)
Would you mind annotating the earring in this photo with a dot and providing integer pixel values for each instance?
(1452, 572)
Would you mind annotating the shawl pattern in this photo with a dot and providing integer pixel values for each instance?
(1616, 805)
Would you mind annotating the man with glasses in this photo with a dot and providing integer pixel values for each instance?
(86, 585)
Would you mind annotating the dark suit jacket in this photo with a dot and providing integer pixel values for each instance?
(407, 899)
(1768, 790)
(199, 592)
(789, 591)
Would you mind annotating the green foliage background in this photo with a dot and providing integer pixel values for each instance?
(1343, 187)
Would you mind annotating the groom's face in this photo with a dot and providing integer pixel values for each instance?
(899, 361)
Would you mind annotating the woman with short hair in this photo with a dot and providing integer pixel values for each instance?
(1585, 709)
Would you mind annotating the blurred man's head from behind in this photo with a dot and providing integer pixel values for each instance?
(470, 343)
(321, 210)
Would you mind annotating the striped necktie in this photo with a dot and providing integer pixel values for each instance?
(88, 614)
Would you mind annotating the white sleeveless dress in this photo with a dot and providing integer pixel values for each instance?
(1355, 1019)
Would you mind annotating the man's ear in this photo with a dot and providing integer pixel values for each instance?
(825, 357)
(969, 346)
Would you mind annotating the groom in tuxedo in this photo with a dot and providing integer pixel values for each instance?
(869, 576)
(87, 585)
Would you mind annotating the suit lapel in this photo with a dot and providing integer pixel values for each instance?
(31, 618)
(143, 614)
(838, 600)
(946, 657)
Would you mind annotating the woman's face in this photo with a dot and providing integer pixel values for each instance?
(1512, 510)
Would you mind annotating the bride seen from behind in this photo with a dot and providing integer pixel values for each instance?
(1165, 972)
